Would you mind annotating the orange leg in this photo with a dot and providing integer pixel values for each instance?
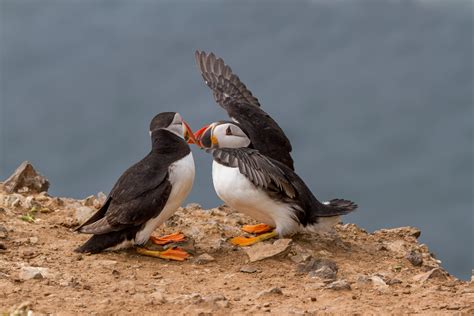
(175, 237)
(176, 254)
(257, 229)
(247, 241)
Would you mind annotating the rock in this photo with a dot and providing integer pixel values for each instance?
(105, 263)
(204, 258)
(31, 203)
(219, 300)
(3, 232)
(2, 246)
(272, 291)
(339, 285)
(158, 297)
(435, 273)
(400, 231)
(27, 273)
(101, 197)
(26, 179)
(262, 251)
(397, 246)
(89, 201)
(378, 283)
(33, 240)
(248, 269)
(415, 258)
(299, 254)
(325, 273)
(83, 213)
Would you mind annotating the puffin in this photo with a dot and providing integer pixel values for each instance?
(243, 108)
(147, 194)
(263, 187)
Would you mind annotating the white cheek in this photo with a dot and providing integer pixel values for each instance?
(233, 142)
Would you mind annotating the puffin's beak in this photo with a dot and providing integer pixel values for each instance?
(198, 135)
(188, 134)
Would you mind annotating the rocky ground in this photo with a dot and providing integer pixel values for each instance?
(349, 271)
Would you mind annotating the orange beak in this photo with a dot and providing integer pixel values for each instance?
(188, 134)
(198, 135)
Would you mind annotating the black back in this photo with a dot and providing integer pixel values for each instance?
(142, 191)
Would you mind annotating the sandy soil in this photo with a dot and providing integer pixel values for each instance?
(373, 272)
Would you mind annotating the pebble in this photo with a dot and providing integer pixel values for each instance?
(3, 232)
(83, 213)
(33, 240)
(262, 251)
(158, 297)
(204, 258)
(274, 290)
(435, 273)
(415, 258)
(322, 268)
(378, 283)
(339, 285)
(2, 246)
(248, 269)
(27, 273)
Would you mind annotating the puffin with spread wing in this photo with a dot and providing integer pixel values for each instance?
(253, 170)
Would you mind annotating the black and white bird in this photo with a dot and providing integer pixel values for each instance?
(147, 194)
(244, 109)
(264, 188)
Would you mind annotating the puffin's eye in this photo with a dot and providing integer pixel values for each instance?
(228, 131)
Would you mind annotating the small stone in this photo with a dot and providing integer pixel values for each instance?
(27, 273)
(105, 263)
(322, 268)
(3, 232)
(2, 246)
(248, 269)
(339, 285)
(313, 299)
(401, 231)
(101, 197)
(26, 179)
(453, 307)
(83, 213)
(262, 251)
(158, 297)
(266, 305)
(33, 240)
(415, 258)
(218, 300)
(393, 281)
(89, 201)
(204, 258)
(378, 283)
(272, 291)
(435, 273)
(299, 254)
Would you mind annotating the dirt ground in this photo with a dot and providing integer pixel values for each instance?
(377, 273)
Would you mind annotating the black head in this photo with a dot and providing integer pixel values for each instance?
(174, 123)
(162, 120)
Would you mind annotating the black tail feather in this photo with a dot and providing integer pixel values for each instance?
(337, 207)
(98, 243)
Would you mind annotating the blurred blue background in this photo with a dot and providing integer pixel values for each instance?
(376, 97)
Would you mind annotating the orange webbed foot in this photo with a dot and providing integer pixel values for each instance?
(163, 240)
(257, 229)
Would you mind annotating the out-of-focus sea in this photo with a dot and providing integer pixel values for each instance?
(376, 97)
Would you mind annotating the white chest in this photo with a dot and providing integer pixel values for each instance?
(181, 177)
(242, 195)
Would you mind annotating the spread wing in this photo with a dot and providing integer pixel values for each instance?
(241, 106)
(226, 86)
(260, 170)
(139, 194)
